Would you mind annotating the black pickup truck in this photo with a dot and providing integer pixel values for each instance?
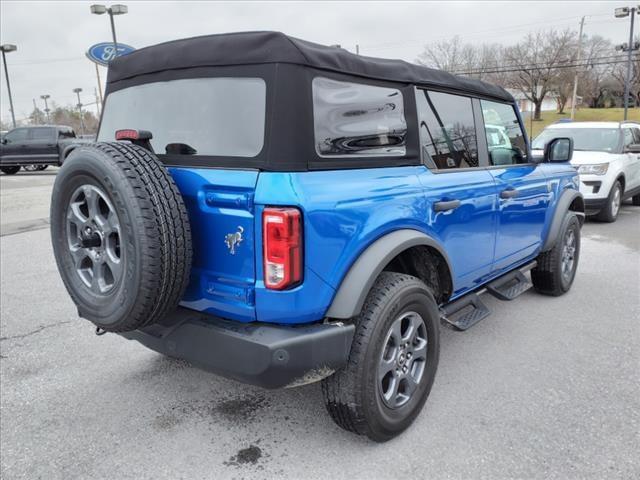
(38, 145)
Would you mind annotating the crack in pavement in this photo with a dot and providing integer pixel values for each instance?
(37, 330)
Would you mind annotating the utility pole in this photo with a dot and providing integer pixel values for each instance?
(357, 49)
(99, 82)
(575, 79)
(77, 92)
(5, 49)
(629, 48)
(46, 106)
(35, 112)
(98, 102)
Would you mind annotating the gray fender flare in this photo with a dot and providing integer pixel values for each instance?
(564, 202)
(66, 151)
(355, 286)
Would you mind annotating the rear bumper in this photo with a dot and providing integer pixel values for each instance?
(270, 356)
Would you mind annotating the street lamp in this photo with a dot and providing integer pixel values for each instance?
(6, 48)
(46, 107)
(77, 92)
(112, 10)
(623, 12)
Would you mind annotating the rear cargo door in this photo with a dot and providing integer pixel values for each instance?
(221, 212)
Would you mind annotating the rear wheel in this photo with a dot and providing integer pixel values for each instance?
(556, 269)
(393, 360)
(121, 235)
(610, 211)
(10, 170)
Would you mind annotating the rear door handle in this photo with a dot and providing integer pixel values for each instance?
(509, 193)
(446, 205)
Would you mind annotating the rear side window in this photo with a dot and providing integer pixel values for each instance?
(447, 130)
(352, 119)
(201, 116)
(505, 139)
(42, 133)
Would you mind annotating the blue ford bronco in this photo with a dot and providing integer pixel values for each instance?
(282, 212)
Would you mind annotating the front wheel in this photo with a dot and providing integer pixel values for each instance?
(556, 269)
(393, 360)
(610, 211)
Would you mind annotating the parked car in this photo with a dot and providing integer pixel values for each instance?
(39, 146)
(292, 213)
(607, 155)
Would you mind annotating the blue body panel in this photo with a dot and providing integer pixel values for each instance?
(344, 212)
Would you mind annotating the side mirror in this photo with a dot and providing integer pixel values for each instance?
(559, 150)
(633, 148)
(5, 141)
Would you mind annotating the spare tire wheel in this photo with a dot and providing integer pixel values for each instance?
(121, 235)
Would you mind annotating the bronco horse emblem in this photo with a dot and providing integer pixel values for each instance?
(233, 240)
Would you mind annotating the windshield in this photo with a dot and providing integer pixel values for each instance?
(198, 116)
(587, 139)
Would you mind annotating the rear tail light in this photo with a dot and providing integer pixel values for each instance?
(130, 134)
(282, 243)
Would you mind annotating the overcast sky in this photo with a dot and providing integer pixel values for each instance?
(52, 36)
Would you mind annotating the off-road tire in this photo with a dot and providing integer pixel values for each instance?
(351, 395)
(10, 170)
(609, 213)
(547, 276)
(155, 234)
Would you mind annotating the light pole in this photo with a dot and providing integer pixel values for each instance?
(623, 12)
(112, 10)
(6, 48)
(46, 107)
(77, 92)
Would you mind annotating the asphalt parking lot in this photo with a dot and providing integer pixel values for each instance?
(543, 388)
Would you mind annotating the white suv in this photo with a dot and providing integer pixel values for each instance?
(607, 155)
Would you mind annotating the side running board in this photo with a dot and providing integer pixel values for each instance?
(511, 285)
(468, 310)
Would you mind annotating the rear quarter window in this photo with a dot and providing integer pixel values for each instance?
(357, 120)
(222, 117)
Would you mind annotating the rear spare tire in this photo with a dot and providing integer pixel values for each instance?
(121, 235)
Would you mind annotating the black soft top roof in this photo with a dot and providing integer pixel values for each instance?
(249, 48)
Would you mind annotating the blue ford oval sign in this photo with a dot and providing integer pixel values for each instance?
(103, 53)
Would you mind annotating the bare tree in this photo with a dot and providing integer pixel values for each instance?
(536, 60)
(619, 74)
(455, 57)
(592, 80)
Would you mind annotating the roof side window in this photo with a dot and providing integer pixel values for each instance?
(357, 120)
(447, 130)
(505, 138)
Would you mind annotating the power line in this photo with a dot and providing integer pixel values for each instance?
(541, 66)
(532, 65)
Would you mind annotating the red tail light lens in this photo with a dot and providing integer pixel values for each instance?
(127, 134)
(131, 134)
(282, 242)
